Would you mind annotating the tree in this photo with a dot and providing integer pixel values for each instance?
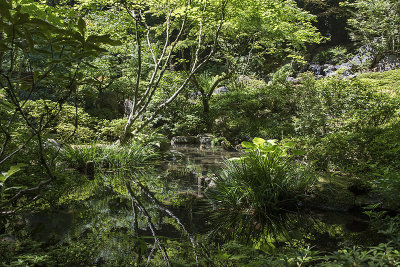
(376, 23)
(254, 30)
(181, 37)
(183, 23)
(40, 58)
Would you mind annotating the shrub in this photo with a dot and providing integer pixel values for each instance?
(333, 104)
(110, 130)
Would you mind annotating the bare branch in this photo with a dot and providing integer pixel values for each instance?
(161, 207)
(146, 215)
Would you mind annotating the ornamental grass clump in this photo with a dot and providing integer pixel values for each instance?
(266, 178)
(133, 155)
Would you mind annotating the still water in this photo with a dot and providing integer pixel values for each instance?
(106, 218)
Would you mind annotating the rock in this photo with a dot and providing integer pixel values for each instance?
(244, 79)
(293, 80)
(365, 56)
(389, 62)
(221, 90)
(315, 68)
(128, 105)
(195, 95)
(174, 155)
(7, 239)
(345, 70)
(329, 70)
(238, 147)
(345, 66)
(205, 139)
(184, 140)
(51, 143)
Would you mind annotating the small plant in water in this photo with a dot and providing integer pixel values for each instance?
(264, 181)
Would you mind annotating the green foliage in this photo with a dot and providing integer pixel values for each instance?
(381, 255)
(385, 82)
(334, 55)
(72, 124)
(263, 179)
(376, 23)
(109, 130)
(273, 26)
(332, 105)
(13, 169)
(132, 156)
(253, 108)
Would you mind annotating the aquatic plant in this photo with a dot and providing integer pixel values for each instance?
(259, 185)
(264, 177)
(132, 155)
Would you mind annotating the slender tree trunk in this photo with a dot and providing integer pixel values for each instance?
(206, 113)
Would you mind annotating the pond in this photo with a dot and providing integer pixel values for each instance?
(105, 221)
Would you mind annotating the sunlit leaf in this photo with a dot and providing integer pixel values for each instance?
(246, 144)
(258, 141)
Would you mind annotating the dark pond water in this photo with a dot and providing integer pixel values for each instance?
(107, 215)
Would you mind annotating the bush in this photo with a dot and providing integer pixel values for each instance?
(67, 123)
(333, 104)
(110, 130)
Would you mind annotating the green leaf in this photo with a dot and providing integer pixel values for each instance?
(258, 141)
(13, 169)
(29, 39)
(2, 178)
(289, 144)
(81, 26)
(21, 18)
(297, 152)
(43, 25)
(5, 9)
(272, 142)
(268, 148)
(246, 144)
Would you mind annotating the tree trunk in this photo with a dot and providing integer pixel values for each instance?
(206, 113)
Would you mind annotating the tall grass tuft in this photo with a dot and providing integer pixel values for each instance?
(264, 181)
(134, 155)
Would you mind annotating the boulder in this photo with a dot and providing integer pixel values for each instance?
(345, 66)
(315, 68)
(365, 56)
(389, 62)
(221, 90)
(244, 79)
(184, 140)
(128, 105)
(329, 70)
(226, 145)
(205, 139)
(293, 80)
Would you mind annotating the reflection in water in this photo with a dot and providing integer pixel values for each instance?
(119, 235)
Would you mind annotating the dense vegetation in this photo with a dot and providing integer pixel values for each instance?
(92, 92)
